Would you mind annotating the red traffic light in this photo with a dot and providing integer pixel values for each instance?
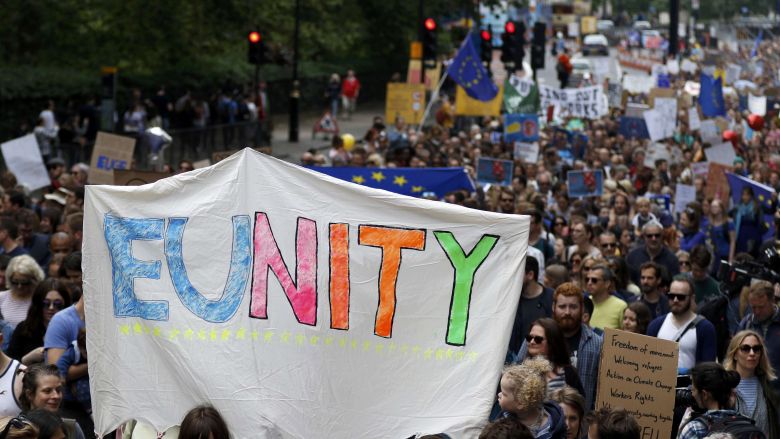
(509, 27)
(254, 37)
(485, 34)
(430, 24)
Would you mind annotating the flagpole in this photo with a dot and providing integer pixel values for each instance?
(434, 95)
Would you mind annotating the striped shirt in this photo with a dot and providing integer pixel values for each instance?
(14, 311)
(748, 389)
(559, 382)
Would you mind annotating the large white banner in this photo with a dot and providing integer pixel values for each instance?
(585, 102)
(300, 305)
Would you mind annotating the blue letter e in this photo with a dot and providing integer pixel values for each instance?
(120, 232)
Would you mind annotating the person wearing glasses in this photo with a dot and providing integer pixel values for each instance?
(607, 308)
(684, 259)
(653, 250)
(755, 397)
(694, 333)
(49, 297)
(546, 340)
(765, 320)
(20, 427)
(608, 243)
(22, 276)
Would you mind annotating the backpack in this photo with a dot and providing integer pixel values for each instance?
(739, 426)
(715, 310)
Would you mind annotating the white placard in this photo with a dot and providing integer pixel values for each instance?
(757, 104)
(661, 121)
(709, 131)
(292, 302)
(700, 168)
(722, 153)
(638, 84)
(23, 158)
(683, 194)
(732, 73)
(528, 152)
(585, 102)
(673, 66)
(688, 66)
(656, 151)
(694, 122)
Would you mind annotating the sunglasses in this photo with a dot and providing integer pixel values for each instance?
(652, 235)
(609, 245)
(686, 263)
(18, 423)
(57, 303)
(678, 297)
(538, 339)
(21, 283)
(592, 280)
(757, 349)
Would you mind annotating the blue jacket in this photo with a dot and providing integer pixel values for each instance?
(588, 355)
(706, 341)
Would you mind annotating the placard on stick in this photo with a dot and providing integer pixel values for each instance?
(639, 374)
(111, 152)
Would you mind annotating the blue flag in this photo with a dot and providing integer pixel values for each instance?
(414, 182)
(633, 128)
(467, 70)
(762, 194)
(711, 96)
(754, 51)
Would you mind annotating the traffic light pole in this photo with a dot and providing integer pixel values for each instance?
(295, 94)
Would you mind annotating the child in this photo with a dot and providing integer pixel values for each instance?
(523, 390)
(643, 215)
(77, 354)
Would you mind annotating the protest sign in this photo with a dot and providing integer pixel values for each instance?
(111, 152)
(661, 121)
(688, 66)
(664, 202)
(527, 152)
(521, 127)
(23, 157)
(405, 100)
(638, 84)
(694, 122)
(268, 289)
(732, 73)
(656, 151)
(615, 95)
(660, 93)
(633, 128)
(585, 183)
(639, 373)
(757, 104)
(709, 131)
(722, 153)
(585, 102)
(521, 95)
(717, 184)
(494, 171)
(673, 66)
(636, 110)
(683, 194)
(467, 106)
(124, 177)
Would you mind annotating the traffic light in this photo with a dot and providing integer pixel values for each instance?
(486, 47)
(513, 40)
(429, 40)
(256, 48)
(537, 45)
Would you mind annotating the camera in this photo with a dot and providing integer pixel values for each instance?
(736, 276)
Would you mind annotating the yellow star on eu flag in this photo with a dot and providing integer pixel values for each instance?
(378, 176)
(417, 188)
(358, 179)
(400, 180)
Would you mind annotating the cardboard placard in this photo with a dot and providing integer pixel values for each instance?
(683, 194)
(405, 100)
(528, 152)
(585, 183)
(494, 171)
(717, 183)
(660, 93)
(639, 374)
(124, 177)
(111, 152)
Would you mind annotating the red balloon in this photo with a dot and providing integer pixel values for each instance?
(730, 136)
(756, 122)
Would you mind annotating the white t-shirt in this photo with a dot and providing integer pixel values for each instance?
(14, 311)
(669, 331)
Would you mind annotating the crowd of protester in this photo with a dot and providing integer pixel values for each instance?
(621, 260)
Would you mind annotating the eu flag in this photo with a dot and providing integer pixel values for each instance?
(762, 194)
(754, 51)
(467, 70)
(711, 96)
(405, 181)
